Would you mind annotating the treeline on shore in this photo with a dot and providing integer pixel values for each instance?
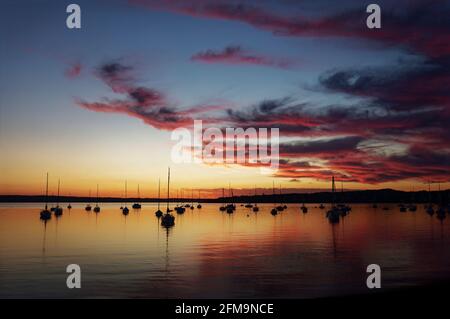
(363, 196)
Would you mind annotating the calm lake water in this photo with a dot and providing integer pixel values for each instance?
(210, 254)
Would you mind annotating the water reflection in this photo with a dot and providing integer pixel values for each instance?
(209, 253)
(44, 237)
(167, 231)
(333, 230)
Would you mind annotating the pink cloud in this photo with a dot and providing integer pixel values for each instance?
(74, 70)
(236, 55)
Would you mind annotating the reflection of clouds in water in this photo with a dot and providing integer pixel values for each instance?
(212, 254)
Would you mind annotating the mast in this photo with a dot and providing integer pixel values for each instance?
(280, 196)
(273, 191)
(125, 192)
(439, 194)
(159, 191)
(168, 189)
(57, 198)
(97, 194)
(333, 185)
(232, 196)
(46, 194)
(333, 188)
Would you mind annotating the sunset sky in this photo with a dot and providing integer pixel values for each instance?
(97, 105)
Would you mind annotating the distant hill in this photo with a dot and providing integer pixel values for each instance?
(363, 196)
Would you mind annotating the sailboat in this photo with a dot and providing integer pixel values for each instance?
(344, 209)
(69, 207)
(137, 205)
(159, 213)
(180, 207)
(412, 207)
(88, 206)
(303, 208)
(168, 220)
(280, 207)
(58, 210)
(125, 209)
(248, 205)
(180, 210)
(192, 198)
(274, 210)
(441, 210)
(45, 213)
(255, 207)
(97, 208)
(199, 205)
(334, 213)
(187, 204)
(230, 208)
(429, 208)
(222, 207)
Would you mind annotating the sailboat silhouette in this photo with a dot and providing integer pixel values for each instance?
(137, 205)
(125, 209)
(58, 210)
(168, 220)
(45, 213)
(97, 208)
(159, 213)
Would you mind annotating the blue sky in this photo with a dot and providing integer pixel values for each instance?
(39, 113)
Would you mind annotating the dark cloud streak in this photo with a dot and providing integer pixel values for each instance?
(237, 55)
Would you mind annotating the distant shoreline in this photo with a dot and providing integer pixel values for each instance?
(363, 196)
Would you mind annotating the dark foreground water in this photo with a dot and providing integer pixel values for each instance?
(210, 254)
